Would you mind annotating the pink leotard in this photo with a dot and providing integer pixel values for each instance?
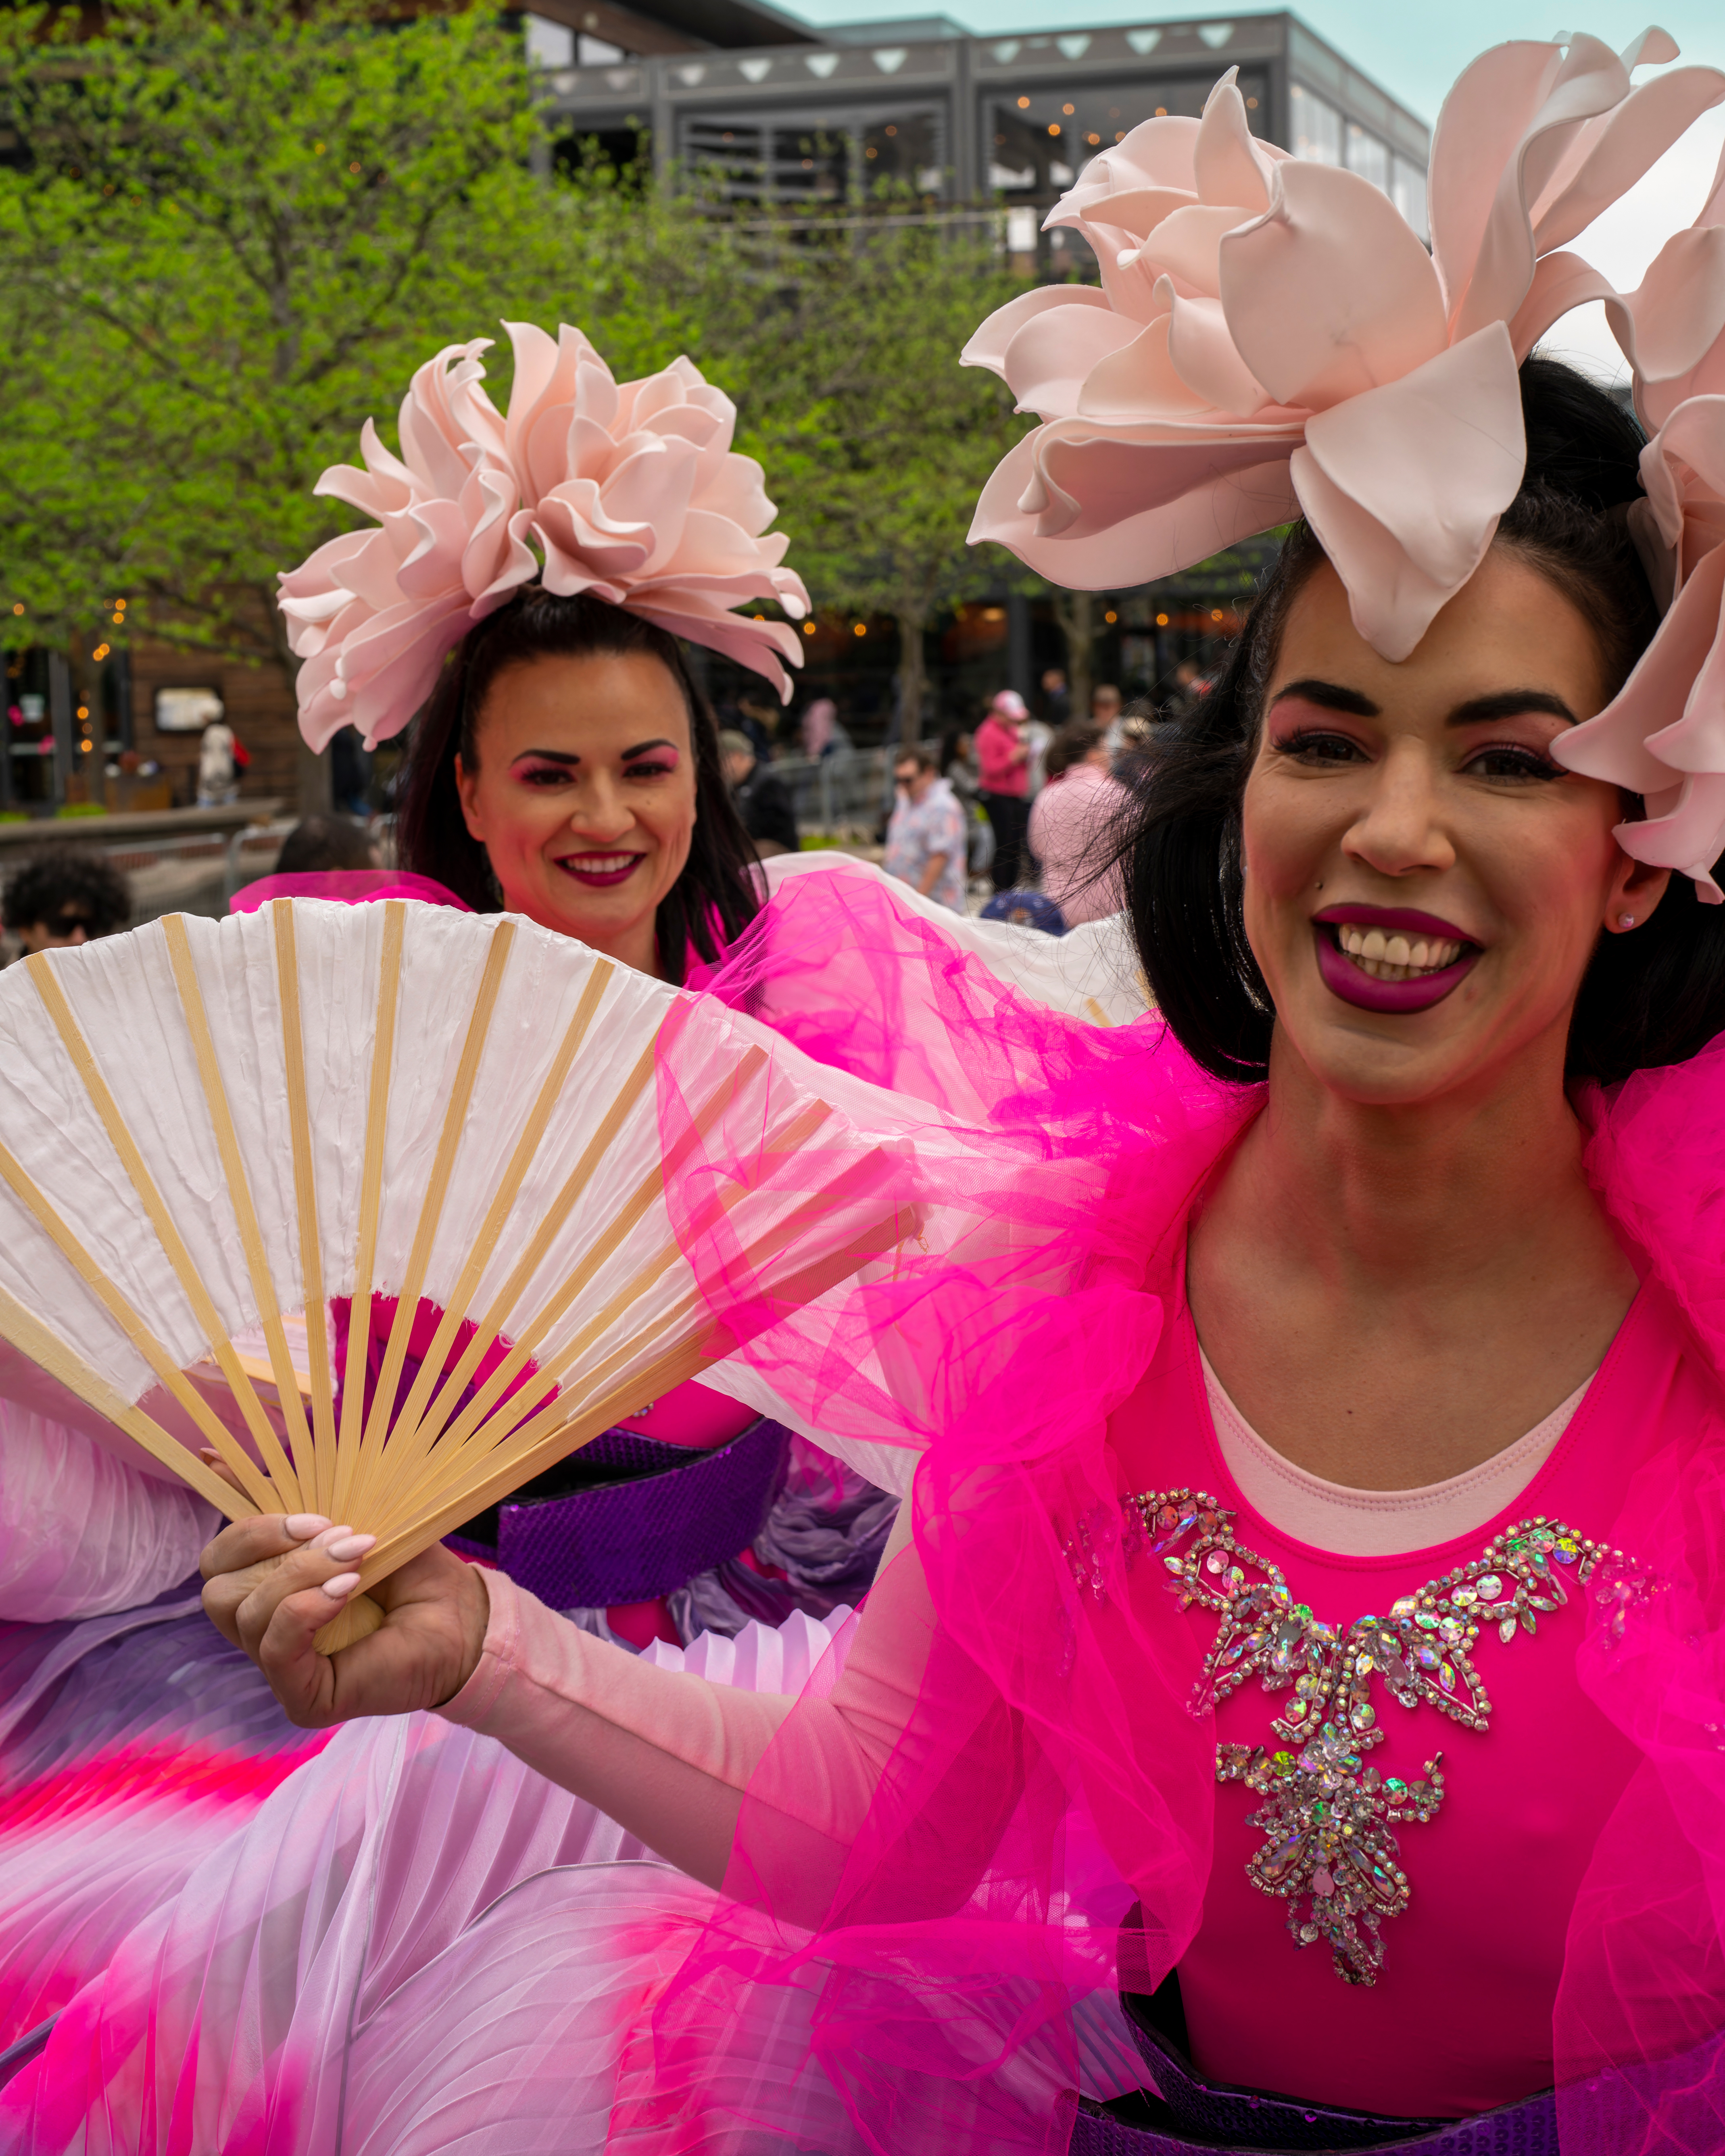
(1459, 2018)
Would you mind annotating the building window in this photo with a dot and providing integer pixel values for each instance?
(1317, 126)
(549, 44)
(1408, 190)
(1368, 157)
(826, 158)
(1036, 143)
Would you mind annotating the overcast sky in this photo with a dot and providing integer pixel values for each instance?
(1415, 53)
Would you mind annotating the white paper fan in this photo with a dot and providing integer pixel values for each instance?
(209, 1127)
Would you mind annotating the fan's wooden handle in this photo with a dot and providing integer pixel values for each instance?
(360, 1616)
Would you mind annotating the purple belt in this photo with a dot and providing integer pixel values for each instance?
(1189, 2115)
(651, 1517)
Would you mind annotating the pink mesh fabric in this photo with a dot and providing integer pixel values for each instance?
(346, 887)
(1049, 1775)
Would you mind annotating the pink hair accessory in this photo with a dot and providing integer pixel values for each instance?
(1673, 329)
(372, 612)
(629, 490)
(1271, 337)
(1677, 767)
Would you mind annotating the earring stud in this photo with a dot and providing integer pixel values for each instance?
(1626, 920)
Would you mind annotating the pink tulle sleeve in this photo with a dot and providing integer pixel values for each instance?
(669, 1756)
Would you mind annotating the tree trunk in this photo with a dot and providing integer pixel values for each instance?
(912, 675)
(1077, 613)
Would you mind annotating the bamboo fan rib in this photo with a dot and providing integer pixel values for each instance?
(396, 1110)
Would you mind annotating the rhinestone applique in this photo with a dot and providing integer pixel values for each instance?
(1330, 1851)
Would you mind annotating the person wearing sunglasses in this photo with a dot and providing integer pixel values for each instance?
(65, 895)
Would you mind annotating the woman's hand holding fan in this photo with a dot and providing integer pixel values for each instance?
(213, 1127)
(268, 1582)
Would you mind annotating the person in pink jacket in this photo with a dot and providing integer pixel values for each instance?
(1003, 756)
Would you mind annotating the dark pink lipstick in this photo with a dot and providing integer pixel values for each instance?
(1343, 978)
(600, 879)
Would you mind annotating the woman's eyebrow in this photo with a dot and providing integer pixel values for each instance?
(1509, 704)
(1331, 696)
(646, 748)
(548, 755)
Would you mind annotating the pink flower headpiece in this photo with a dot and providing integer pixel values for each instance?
(1272, 338)
(629, 490)
(1663, 735)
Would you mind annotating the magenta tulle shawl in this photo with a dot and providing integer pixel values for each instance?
(345, 887)
(1051, 1778)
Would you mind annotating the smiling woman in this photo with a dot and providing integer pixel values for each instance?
(1411, 771)
(568, 767)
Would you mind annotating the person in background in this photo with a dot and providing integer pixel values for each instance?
(1191, 686)
(926, 838)
(760, 715)
(958, 764)
(351, 773)
(1038, 739)
(1057, 704)
(325, 842)
(761, 800)
(1104, 708)
(1003, 767)
(64, 896)
(220, 760)
(1070, 821)
(818, 729)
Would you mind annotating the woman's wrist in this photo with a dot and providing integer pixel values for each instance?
(474, 1607)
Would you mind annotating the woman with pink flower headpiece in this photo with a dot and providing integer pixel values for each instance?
(525, 601)
(1290, 1714)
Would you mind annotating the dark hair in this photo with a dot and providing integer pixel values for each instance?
(917, 753)
(1071, 745)
(64, 878)
(950, 751)
(432, 836)
(324, 842)
(1652, 998)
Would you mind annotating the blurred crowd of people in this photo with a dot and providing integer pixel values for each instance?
(1025, 803)
(1031, 803)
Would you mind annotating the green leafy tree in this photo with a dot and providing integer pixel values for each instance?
(236, 229)
(876, 442)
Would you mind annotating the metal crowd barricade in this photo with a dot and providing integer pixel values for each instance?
(184, 860)
(843, 791)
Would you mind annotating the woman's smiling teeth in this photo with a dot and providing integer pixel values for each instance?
(598, 864)
(1395, 956)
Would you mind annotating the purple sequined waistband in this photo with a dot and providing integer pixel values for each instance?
(1189, 2115)
(678, 1513)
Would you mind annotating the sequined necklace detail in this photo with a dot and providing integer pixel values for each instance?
(1329, 1851)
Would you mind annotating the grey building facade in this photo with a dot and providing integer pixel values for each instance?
(991, 128)
(965, 120)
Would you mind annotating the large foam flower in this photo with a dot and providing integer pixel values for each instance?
(1677, 766)
(372, 612)
(1272, 338)
(1672, 329)
(629, 490)
(633, 492)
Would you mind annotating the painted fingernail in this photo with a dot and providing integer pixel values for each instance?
(330, 1534)
(341, 1586)
(303, 1526)
(349, 1547)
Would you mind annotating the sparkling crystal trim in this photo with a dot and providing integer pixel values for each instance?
(1330, 1851)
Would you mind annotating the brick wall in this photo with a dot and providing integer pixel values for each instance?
(258, 704)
